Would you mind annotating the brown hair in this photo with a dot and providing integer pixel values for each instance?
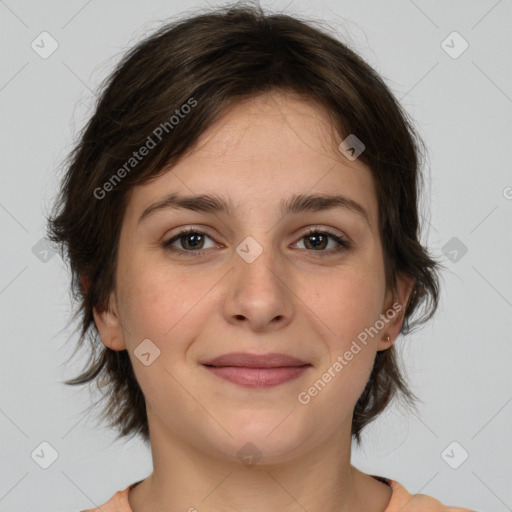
(217, 59)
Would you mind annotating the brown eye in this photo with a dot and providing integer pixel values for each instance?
(318, 241)
(191, 241)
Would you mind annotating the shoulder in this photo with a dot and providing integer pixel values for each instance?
(403, 501)
(118, 503)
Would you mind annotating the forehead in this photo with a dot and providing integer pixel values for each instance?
(260, 152)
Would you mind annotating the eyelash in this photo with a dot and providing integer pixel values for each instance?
(343, 243)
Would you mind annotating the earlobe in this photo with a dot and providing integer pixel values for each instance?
(109, 327)
(395, 311)
(385, 342)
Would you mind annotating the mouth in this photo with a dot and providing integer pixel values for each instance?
(257, 371)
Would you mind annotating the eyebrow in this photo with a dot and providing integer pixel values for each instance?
(217, 204)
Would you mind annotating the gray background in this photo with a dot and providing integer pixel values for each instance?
(459, 364)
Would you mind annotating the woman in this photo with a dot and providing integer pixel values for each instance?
(240, 217)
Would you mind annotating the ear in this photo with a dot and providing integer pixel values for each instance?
(396, 304)
(109, 326)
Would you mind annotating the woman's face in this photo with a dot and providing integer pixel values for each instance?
(258, 284)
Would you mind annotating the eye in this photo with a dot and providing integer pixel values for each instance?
(190, 239)
(318, 240)
(192, 242)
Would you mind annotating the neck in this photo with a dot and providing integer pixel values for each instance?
(188, 479)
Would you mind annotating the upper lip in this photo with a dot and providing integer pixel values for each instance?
(246, 360)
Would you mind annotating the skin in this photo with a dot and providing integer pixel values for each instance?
(293, 298)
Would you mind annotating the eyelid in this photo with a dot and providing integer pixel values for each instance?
(328, 230)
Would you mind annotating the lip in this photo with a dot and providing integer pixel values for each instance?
(270, 360)
(257, 370)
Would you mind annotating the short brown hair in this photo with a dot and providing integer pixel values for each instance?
(219, 58)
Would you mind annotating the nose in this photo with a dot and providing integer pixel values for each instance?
(259, 291)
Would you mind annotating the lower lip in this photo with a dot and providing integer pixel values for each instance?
(258, 377)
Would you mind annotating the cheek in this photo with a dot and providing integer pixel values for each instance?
(156, 305)
(346, 301)
(344, 306)
(341, 315)
(160, 300)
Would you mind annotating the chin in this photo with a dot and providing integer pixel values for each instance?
(262, 441)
